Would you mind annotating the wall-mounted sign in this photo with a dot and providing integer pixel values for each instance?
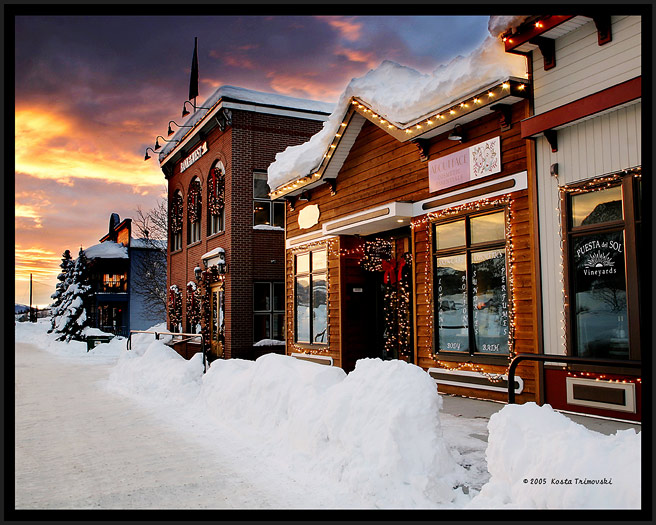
(308, 216)
(471, 163)
(195, 155)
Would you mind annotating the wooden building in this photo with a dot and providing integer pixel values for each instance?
(585, 129)
(417, 241)
(226, 239)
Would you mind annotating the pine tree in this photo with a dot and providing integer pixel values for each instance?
(72, 318)
(64, 278)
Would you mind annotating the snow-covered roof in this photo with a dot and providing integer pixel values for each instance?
(498, 25)
(247, 96)
(400, 95)
(107, 250)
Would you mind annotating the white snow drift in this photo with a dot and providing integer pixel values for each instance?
(374, 435)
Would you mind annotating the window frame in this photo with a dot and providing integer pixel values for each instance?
(194, 233)
(310, 274)
(273, 205)
(629, 225)
(176, 238)
(271, 312)
(471, 354)
(220, 227)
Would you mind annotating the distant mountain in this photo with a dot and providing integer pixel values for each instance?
(21, 308)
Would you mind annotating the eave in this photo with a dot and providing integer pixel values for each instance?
(470, 107)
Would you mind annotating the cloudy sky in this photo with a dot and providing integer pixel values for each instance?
(92, 92)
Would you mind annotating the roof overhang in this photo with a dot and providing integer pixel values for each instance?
(472, 106)
(523, 39)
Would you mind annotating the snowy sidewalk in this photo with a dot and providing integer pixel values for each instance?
(79, 446)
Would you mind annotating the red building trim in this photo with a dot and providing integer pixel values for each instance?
(583, 107)
(513, 41)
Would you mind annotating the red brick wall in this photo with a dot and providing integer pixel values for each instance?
(250, 144)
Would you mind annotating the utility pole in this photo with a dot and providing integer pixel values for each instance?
(31, 315)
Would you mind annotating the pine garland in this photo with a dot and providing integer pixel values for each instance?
(175, 308)
(216, 191)
(194, 201)
(194, 299)
(176, 213)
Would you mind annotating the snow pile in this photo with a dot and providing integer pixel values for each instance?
(37, 335)
(376, 432)
(540, 459)
(500, 24)
(107, 250)
(401, 95)
(153, 369)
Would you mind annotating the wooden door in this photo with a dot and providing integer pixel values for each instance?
(216, 319)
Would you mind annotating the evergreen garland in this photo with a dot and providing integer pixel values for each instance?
(175, 308)
(176, 213)
(194, 300)
(194, 204)
(216, 191)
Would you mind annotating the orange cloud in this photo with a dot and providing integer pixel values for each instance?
(303, 86)
(29, 212)
(358, 56)
(346, 26)
(43, 265)
(51, 146)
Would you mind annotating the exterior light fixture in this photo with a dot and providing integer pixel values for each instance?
(146, 157)
(170, 132)
(158, 145)
(184, 108)
(198, 272)
(457, 134)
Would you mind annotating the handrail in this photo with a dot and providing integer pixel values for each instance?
(560, 359)
(157, 334)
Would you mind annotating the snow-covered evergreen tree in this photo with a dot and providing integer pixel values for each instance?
(64, 278)
(72, 315)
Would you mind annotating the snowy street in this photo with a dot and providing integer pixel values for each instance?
(79, 446)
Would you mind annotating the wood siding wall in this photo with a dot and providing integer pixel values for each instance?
(598, 146)
(583, 67)
(379, 170)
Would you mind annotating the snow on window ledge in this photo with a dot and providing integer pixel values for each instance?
(268, 227)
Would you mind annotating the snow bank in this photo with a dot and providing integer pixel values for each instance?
(37, 335)
(541, 459)
(401, 95)
(107, 250)
(500, 24)
(375, 431)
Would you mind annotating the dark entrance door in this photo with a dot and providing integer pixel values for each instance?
(377, 320)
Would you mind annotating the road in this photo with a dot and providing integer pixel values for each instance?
(79, 446)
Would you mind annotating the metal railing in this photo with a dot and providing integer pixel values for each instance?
(561, 359)
(189, 337)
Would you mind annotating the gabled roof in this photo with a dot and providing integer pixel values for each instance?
(408, 105)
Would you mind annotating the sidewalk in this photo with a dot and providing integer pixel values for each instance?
(483, 409)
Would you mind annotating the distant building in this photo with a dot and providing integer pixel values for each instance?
(117, 307)
(226, 238)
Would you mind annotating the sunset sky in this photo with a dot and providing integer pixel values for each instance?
(92, 92)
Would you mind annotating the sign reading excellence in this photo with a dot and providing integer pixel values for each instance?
(465, 165)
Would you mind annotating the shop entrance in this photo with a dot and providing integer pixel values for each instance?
(378, 299)
(216, 320)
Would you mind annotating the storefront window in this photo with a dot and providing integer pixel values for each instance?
(268, 311)
(311, 297)
(601, 248)
(471, 287)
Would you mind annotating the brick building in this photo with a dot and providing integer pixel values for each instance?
(226, 238)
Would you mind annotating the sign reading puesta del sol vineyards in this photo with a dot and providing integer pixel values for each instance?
(195, 155)
(467, 164)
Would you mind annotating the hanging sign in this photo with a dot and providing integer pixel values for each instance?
(468, 164)
(195, 155)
